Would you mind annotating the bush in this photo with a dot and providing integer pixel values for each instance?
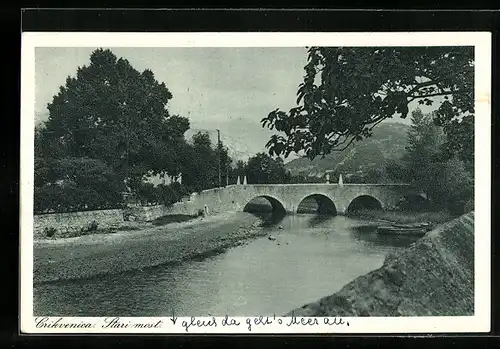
(148, 194)
(49, 232)
(75, 184)
(93, 226)
(90, 228)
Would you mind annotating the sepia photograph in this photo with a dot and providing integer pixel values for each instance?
(301, 181)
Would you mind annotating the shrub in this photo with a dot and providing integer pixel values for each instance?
(146, 193)
(90, 228)
(75, 184)
(49, 232)
(93, 226)
(167, 195)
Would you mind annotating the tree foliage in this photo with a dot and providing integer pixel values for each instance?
(446, 181)
(112, 112)
(347, 91)
(201, 163)
(107, 125)
(162, 194)
(263, 169)
(72, 184)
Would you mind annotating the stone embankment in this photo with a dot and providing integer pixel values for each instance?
(433, 277)
(73, 224)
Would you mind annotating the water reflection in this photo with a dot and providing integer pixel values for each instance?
(270, 219)
(319, 219)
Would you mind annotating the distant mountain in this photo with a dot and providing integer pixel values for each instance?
(388, 142)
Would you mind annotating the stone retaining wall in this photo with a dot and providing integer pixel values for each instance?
(74, 223)
(78, 223)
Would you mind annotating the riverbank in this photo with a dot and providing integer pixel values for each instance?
(71, 258)
(433, 277)
(93, 227)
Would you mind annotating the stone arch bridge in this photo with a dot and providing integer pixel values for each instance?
(288, 197)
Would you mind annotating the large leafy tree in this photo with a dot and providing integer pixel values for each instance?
(347, 91)
(114, 113)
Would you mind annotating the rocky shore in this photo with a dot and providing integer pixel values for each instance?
(91, 255)
(433, 277)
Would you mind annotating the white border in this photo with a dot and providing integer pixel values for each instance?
(480, 322)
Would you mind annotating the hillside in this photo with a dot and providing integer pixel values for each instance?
(388, 142)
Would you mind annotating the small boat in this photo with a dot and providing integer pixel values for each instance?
(391, 230)
(412, 225)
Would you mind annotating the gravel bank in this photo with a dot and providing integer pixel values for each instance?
(91, 255)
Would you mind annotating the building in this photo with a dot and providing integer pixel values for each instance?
(163, 179)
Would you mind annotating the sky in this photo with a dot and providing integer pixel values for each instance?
(230, 89)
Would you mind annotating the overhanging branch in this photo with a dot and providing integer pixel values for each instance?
(430, 95)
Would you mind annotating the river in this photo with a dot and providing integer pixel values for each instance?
(307, 257)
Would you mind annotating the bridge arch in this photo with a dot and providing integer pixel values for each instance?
(318, 203)
(364, 202)
(258, 204)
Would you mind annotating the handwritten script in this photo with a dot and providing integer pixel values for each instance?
(189, 324)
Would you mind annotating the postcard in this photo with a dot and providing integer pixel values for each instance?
(255, 183)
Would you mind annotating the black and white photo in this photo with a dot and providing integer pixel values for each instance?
(291, 177)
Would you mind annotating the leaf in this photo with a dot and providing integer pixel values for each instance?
(353, 78)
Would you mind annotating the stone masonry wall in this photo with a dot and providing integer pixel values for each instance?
(73, 223)
(77, 223)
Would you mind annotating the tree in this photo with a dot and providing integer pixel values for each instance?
(201, 163)
(347, 91)
(423, 152)
(111, 120)
(447, 182)
(263, 169)
(225, 162)
(71, 184)
(114, 113)
(240, 168)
